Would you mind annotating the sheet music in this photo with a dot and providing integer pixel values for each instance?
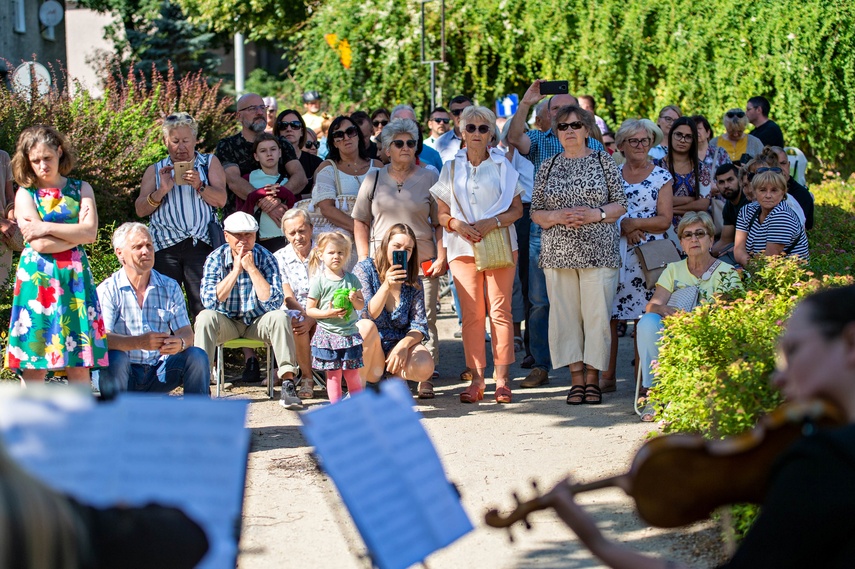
(189, 453)
(388, 474)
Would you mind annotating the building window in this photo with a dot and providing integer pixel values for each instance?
(19, 17)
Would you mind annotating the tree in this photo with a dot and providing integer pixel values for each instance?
(258, 19)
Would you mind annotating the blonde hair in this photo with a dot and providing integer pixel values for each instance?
(334, 237)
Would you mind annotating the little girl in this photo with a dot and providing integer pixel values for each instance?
(336, 345)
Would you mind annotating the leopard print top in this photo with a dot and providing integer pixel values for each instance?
(591, 181)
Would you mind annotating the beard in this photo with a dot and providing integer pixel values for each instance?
(258, 125)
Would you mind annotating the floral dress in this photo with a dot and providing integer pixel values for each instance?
(632, 294)
(56, 319)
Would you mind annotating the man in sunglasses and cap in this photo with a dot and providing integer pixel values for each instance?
(313, 117)
(242, 294)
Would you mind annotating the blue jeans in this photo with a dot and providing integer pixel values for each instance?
(190, 368)
(538, 317)
(647, 334)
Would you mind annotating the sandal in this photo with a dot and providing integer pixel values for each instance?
(593, 395)
(576, 395)
(426, 390)
(467, 396)
(648, 417)
(466, 375)
(503, 394)
(306, 390)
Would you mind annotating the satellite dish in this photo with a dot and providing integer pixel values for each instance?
(50, 13)
(29, 73)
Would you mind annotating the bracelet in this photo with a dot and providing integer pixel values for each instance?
(448, 225)
(151, 201)
(498, 223)
(183, 344)
(9, 207)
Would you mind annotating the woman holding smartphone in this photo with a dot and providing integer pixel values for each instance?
(393, 324)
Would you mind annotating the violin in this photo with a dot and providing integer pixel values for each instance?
(680, 479)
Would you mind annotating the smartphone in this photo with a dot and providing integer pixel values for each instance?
(553, 87)
(400, 258)
(181, 168)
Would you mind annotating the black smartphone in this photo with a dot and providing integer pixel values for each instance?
(399, 258)
(553, 87)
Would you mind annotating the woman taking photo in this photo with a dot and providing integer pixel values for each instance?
(479, 192)
(289, 125)
(769, 226)
(181, 208)
(400, 193)
(738, 145)
(56, 320)
(578, 196)
(648, 217)
(393, 325)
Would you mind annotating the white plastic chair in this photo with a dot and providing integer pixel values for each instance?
(798, 163)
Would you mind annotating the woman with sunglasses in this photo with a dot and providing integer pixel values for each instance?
(768, 226)
(342, 173)
(578, 196)
(478, 192)
(290, 126)
(379, 119)
(313, 146)
(735, 142)
(690, 193)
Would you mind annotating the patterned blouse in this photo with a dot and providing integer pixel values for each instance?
(408, 315)
(591, 181)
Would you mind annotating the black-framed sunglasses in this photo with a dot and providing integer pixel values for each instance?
(379, 123)
(295, 125)
(456, 112)
(441, 121)
(764, 169)
(349, 132)
(400, 143)
(575, 125)
(310, 144)
(482, 128)
(734, 114)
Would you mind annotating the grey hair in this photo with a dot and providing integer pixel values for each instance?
(121, 234)
(177, 120)
(701, 217)
(735, 122)
(271, 103)
(398, 108)
(477, 112)
(631, 126)
(294, 213)
(584, 116)
(396, 127)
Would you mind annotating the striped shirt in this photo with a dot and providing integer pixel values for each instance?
(781, 226)
(242, 302)
(545, 145)
(183, 214)
(163, 310)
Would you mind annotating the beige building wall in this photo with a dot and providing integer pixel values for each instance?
(86, 44)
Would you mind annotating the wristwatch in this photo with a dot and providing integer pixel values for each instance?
(498, 223)
(602, 213)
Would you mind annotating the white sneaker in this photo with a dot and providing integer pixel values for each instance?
(289, 398)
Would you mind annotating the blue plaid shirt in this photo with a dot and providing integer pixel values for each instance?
(242, 302)
(163, 310)
(546, 145)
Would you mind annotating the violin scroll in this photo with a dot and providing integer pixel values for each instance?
(520, 513)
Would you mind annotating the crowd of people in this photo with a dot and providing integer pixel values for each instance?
(336, 231)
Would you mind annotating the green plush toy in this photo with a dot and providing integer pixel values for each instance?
(341, 299)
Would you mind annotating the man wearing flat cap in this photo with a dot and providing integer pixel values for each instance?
(242, 294)
(312, 117)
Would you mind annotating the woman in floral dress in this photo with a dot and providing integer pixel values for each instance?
(647, 218)
(56, 321)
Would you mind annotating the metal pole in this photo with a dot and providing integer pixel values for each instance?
(240, 71)
(442, 32)
(423, 32)
(432, 86)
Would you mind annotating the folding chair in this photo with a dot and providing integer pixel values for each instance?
(244, 343)
(798, 163)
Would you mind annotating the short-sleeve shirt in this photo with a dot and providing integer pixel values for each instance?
(781, 226)
(677, 275)
(242, 303)
(163, 310)
(730, 211)
(322, 289)
(769, 134)
(294, 273)
(236, 150)
(384, 205)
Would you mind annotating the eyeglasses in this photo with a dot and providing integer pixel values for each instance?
(761, 170)
(734, 115)
(667, 119)
(254, 109)
(349, 132)
(400, 143)
(380, 123)
(683, 137)
(178, 117)
(442, 121)
(482, 128)
(575, 125)
(608, 143)
(698, 234)
(296, 125)
(312, 144)
(456, 112)
(636, 142)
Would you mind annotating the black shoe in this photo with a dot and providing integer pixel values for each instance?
(528, 362)
(251, 371)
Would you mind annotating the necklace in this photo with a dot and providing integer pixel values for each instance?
(399, 181)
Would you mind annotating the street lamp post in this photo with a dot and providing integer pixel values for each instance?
(441, 59)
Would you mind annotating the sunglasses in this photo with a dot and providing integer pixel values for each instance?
(400, 143)
(349, 132)
(636, 142)
(683, 137)
(254, 109)
(312, 144)
(761, 170)
(380, 123)
(442, 121)
(296, 125)
(575, 125)
(456, 112)
(482, 128)
(734, 115)
(699, 233)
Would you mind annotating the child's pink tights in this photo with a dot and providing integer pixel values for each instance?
(351, 376)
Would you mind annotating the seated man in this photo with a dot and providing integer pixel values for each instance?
(148, 329)
(727, 182)
(242, 294)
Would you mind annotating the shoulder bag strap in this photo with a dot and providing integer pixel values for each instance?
(754, 218)
(453, 194)
(337, 180)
